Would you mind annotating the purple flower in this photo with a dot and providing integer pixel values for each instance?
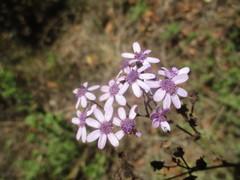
(169, 90)
(140, 56)
(135, 78)
(104, 129)
(174, 72)
(80, 121)
(127, 124)
(158, 119)
(83, 94)
(113, 90)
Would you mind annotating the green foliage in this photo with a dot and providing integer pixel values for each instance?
(8, 86)
(96, 168)
(54, 147)
(172, 29)
(137, 10)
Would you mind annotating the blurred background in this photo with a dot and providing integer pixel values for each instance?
(49, 47)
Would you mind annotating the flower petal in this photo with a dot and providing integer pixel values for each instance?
(120, 134)
(75, 91)
(93, 88)
(147, 76)
(143, 68)
(121, 100)
(109, 103)
(84, 134)
(83, 101)
(90, 96)
(122, 113)
(92, 122)
(161, 72)
(99, 115)
(155, 123)
(116, 121)
(128, 55)
(153, 60)
(167, 101)
(180, 78)
(93, 135)
(104, 97)
(113, 139)
(105, 89)
(75, 121)
(108, 113)
(182, 92)
(153, 84)
(111, 82)
(91, 110)
(133, 112)
(85, 84)
(176, 101)
(165, 126)
(78, 102)
(184, 70)
(78, 113)
(102, 141)
(124, 88)
(147, 51)
(133, 61)
(143, 85)
(159, 95)
(79, 133)
(136, 90)
(136, 47)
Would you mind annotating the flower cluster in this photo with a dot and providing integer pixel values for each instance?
(162, 88)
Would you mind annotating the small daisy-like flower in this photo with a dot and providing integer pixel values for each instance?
(80, 121)
(83, 94)
(113, 90)
(174, 72)
(158, 119)
(127, 124)
(169, 90)
(135, 78)
(140, 56)
(104, 129)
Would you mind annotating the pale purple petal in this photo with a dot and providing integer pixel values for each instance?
(128, 55)
(143, 85)
(91, 110)
(111, 82)
(109, 103)
(136, 90)
(133, 61)
(167, 101)
(136, 47)
(78, 113)
(152, 60)
(78, 102)
(153, 84)
(93, 88)
(122, 113)
(92, 122)
(159, 109)
(176, 101)
(143, 68)
(104, 97)
(83, 101)
(147, 76)
(75, 121)
(79, 133)
(99, 115)
(133, 112)
(138, 134)
(165, 126)
(120, 134)
(161, 72)
(113, 139)
(102, 141)
(180, 78)
(123, 88)
(90, 96)
(147, 51)
(116, 121)
(184, 70)
(93, 135)
(84, 134)
(85, 84)
(108, 113)
(159, 95)
(155, 123)
(105, 89)
(121, 100)
(182, 92)
(75, 91)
